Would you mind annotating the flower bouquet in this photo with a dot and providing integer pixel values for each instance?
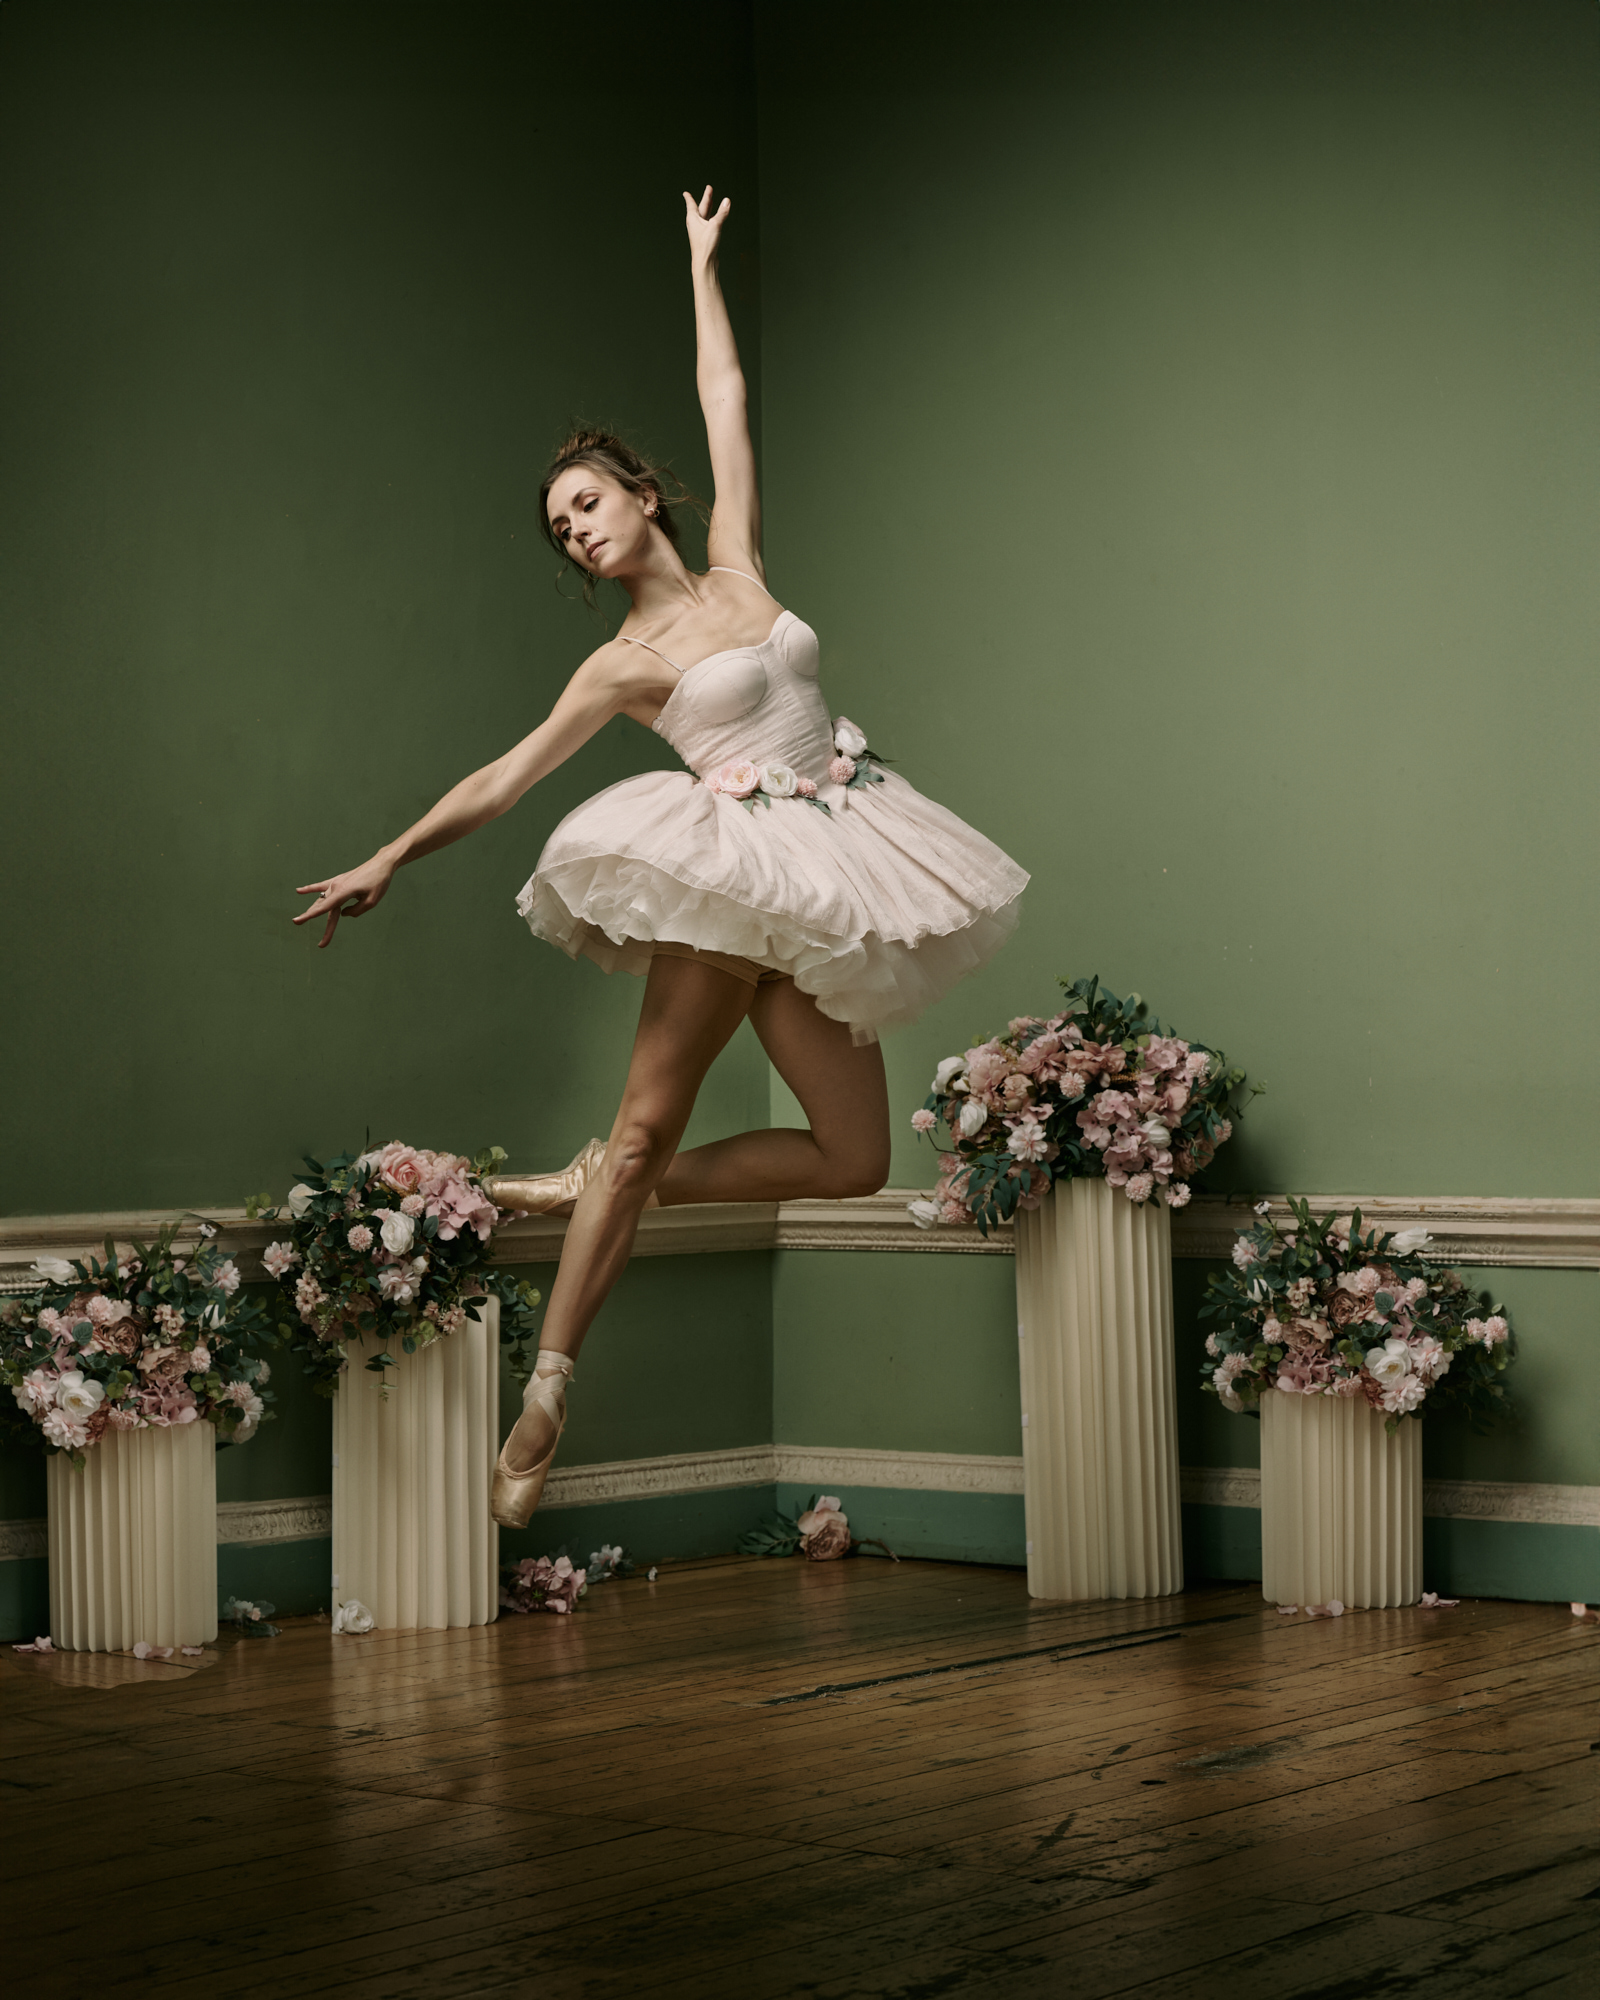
(1099, 1090)
(543, 1583)
(392, 1245)
(1328, 1309)
(151, 1339)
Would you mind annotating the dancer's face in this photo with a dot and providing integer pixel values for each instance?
(601, 525)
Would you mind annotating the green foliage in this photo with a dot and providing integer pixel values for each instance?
(981, 1173)
(409, 1295)
(1328, 1303)
(153, 1331)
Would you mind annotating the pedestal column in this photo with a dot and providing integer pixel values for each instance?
(1099, 1440)
(133, 1541)
(412, 1454)
(1341, 1503)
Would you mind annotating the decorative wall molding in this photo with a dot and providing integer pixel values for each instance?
(1503, 1500)
(1442, 1499)
(258, 1523)
(907, 1471)
(1467, 1230)
(675, 1476)
(21, 1539)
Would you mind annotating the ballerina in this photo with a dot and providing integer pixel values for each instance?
(783, 876)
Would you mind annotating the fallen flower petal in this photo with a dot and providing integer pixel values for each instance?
(1289, 1610)
(1431, 1601)
(44, 1645)
(143, 1651)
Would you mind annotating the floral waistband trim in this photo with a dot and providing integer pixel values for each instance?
(753, 784)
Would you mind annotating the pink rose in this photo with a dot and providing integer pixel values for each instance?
(842, 770)
(401, 1167)
(923, 1121)
(735, 781)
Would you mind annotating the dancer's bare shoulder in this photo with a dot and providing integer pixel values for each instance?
(625, 679)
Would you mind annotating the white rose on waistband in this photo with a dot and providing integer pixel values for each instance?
(847, 739)
(778, 781)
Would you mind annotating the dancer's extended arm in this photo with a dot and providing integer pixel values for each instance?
(597, 691)
(735, 535)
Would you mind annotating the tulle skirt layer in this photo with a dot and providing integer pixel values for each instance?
(875, 910)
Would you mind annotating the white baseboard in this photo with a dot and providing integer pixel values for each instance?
(260, 1523)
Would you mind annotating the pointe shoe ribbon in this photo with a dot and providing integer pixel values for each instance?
(538, 1194)
(513, 1496)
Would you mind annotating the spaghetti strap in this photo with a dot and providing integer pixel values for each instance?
(723, 567)
(652, 649)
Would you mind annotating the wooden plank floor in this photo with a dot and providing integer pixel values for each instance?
(1193, 1797)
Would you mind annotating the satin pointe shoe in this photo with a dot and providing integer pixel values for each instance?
(544, 1194)
(514, 1495)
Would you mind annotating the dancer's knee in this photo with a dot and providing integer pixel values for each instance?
(638, 1156)
(858, 1173)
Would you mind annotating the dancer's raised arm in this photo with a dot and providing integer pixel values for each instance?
(735, 536)
(602, 687)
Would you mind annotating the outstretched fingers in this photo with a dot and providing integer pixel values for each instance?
(330, 903)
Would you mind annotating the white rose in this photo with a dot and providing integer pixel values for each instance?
(399, 1231)
(253, 1407)
(352, 1617)
(1156, 1134)
(55, 1271)
(78, 1396)
(1407, 1242)
(1389, 1362)
(972, 1118)
(925, 1214)
(778, 781)
(847, 739)
(948, 1071)
(300, 1199)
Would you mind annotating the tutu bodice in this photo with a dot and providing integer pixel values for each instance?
(874, 907)
(763, 703)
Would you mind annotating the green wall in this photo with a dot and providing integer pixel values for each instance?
(1180, 428)
(299, 298)
(1178, 422)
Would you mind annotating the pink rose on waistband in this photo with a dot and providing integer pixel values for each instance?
(735, 781)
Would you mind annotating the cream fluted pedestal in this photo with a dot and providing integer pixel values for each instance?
(412, 1537)
(1099, 1438)
(1341, 1503)
(133, 1541)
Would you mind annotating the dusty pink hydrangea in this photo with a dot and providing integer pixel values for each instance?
(841, 770)
(359, 1238)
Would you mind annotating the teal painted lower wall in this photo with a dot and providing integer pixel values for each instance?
(659, 1530)
(1520, 1560)
(294, 1577)
(24, 1598)
(949, 1527)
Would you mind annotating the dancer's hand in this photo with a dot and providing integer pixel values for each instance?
(367, 884)
(704, 225)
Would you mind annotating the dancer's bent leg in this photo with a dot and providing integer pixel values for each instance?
(843, 1093)
(690, 1011)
